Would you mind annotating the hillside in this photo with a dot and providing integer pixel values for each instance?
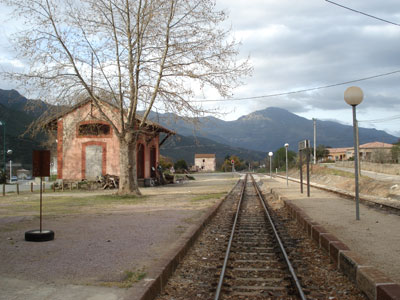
(16, 123)
(18, 112)
(249, 137)
(184, 147)
(269, 129)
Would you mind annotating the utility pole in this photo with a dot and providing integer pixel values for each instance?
(315, 140)
(358, 150)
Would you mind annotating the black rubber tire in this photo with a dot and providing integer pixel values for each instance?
(37, 236)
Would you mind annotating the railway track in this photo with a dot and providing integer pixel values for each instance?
(255, 267)
(256, 264)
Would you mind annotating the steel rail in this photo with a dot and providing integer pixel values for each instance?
(228, 250)
(282, 248)
(364, 200)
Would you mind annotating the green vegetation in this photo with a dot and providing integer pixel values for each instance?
(279, 159)
(180, 165)
(165, 162)
(395, 151)
(238, 163)
(329, 171)
(322, 152)
(2, 177)
(128, 279)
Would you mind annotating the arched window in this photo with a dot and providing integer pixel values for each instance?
(94, 129)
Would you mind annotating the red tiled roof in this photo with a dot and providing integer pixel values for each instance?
(376, 145)
(337, 150)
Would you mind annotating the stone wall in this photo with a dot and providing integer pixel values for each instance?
(393, 169)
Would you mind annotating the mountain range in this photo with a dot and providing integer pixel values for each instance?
(269, 129)
(248, 137)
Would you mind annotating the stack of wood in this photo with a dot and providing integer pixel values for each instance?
(169, 178)
(110, 181)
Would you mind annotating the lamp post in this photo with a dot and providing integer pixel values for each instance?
(9, 152)
(2, 123)
(287, 179)
(354, 96)
(270, 163)
(315, 140)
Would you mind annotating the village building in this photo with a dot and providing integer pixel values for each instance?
(205, 162)
(336, 154)
(373, 152)
(87, 146)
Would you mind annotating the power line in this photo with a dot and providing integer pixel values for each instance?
(383, 120)
(363, 13)
(299, 91)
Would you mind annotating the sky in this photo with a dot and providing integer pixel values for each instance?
(304, 44)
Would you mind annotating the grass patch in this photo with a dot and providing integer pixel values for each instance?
(61, 205)
(207, 197)
(128, 279)
(328, 171)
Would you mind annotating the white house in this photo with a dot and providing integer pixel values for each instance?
(205, 162)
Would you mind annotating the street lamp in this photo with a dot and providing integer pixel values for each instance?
(287, 179)
(2, 123)
(270, 163)
(9, 152)
(354, 96)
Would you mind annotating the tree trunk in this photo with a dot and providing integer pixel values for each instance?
(128, 183)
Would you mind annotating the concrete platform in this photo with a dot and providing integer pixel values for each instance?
(367, 250)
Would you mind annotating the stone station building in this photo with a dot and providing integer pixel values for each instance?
(87, 146)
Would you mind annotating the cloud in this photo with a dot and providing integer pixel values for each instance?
(304, 44)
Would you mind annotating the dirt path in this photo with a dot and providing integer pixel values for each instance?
(98, 243)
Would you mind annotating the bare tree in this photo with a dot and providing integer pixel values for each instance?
(140, 54)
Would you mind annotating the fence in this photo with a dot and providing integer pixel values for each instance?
(47, 187)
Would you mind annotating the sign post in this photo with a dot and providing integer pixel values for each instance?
(41, 168)
(304, 145)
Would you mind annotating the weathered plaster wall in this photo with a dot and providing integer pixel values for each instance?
(208, 164)
(73, 147)
(71, 160)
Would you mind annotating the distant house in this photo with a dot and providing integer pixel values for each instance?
(23, 174)
(205, 162)
(375, 151)
(336, 154)
(87, 146)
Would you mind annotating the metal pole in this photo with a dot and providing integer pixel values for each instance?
(270, 166)
(356, 163)
(301, 171)
(287, 178)
(10, 170)
(315, 141)
(308, 171)
(41, 178)
(358, 150)
(4, 147)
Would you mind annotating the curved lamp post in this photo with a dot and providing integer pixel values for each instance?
(287, 179)
(270, 163)
(354, 96)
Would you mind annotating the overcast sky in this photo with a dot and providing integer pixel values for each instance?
(303, 44)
